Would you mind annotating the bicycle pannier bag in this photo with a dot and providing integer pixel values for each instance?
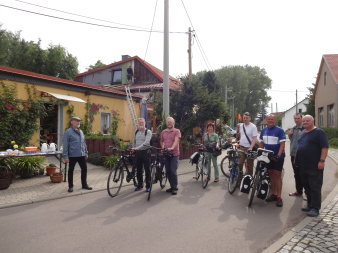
(263, 190)
(194, 158)
(245, 184)
(217, 152)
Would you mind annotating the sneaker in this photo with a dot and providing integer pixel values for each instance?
(305, 209)
(271, 198)
(86, 187)
(169, 190)
(70, 189)
(279, 202)
(295, 194)
(148, 189)
(174, 192)
(313, 213)
(138, 189)
(216, 180)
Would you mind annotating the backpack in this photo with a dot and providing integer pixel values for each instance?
(145, 134)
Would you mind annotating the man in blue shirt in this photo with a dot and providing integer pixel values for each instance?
(311, 154)
(273, 138)
(75, 151)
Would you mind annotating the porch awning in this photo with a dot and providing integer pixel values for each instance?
(65, 97)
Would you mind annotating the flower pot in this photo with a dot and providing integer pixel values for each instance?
(56, 177)
(50, 170)
(5, 183)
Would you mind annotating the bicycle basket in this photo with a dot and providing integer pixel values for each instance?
(194, 158)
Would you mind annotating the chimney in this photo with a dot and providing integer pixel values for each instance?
(125, 56)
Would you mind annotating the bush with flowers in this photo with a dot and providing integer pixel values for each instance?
(19, 119)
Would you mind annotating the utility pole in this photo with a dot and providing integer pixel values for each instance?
(166, 60)
(271, 107)
(189, 55)
(296, 101)
(276, 108)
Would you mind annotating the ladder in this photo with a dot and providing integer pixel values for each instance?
(131, 106)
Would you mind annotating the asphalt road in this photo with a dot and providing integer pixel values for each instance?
(196, 220)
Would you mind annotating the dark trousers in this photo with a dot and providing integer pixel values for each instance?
(142, 161)
(298, 179)
(171, 165)
(83, 165)
(312, 181)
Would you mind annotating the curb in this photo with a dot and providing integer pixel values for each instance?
(28, 202)
(277, 245)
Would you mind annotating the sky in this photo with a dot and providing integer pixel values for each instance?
(285, 37)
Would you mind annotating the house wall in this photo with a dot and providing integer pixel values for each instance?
(326, 95)
(125, 129)
(103, 77)
(287, 120)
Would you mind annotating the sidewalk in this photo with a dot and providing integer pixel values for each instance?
(40, 188)
(318, 234)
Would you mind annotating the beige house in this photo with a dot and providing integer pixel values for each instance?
(326, 92)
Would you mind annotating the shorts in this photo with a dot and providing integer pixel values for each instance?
(276, 165)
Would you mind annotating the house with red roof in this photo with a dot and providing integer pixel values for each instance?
(326, 92)
(142, 77)
(72, 98)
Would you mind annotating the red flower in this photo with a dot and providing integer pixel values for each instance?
(9, 107)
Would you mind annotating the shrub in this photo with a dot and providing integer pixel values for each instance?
(110, 161)
(333, 143)
(95, 158)
(331, 132)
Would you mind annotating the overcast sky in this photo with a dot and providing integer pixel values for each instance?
(285, 37)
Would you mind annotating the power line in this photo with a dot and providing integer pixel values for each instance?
(86, 23)
(152, 24)
(204, 56)
(78, 15)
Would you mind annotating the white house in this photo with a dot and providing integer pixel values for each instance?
(287, 118)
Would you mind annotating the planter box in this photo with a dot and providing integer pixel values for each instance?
(187, 152)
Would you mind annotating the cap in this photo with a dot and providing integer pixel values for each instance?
(75, 118)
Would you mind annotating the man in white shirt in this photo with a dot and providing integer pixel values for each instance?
(247, 140)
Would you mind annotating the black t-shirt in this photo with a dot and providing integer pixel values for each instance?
(309, 149)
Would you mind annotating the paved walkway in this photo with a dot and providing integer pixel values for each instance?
(318, 234)
(40, 188)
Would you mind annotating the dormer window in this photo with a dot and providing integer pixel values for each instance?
(116, 76)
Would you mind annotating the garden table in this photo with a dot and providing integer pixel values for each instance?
(57, 154)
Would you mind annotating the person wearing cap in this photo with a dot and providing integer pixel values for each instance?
(75, 151)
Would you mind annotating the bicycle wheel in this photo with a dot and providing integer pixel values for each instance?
(152, 179)
(233, 178)
(205, 172)
(163, 176)
(115, 180)
(198, 170)
(225, 164)
(253, 189)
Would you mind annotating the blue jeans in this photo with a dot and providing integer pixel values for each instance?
(171, 165)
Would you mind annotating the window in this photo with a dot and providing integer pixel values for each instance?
(105, 122)
(299, 110)
(320, 116)
(330, 116)
(116, 76)
(324, 78)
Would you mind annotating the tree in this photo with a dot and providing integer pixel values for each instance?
(247, 85)
(310, 107)
(98, 64)
(18, 53)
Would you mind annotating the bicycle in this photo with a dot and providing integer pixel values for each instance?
(116, 175)
(202, 164)
(157, 169)
(230, 159)
(264, 157)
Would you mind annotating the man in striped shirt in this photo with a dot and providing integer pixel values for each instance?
(273, 138)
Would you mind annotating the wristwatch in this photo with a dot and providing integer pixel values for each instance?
(322, 161)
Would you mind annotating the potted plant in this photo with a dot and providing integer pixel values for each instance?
(50, 169)
(28, 165)
(56, 177)
(5, 177)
